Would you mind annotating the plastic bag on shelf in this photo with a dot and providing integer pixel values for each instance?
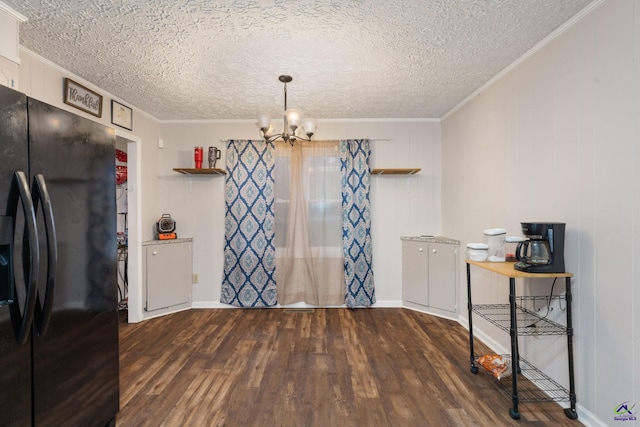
(499, 366)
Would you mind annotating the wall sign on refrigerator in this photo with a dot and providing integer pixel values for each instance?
(82, 98)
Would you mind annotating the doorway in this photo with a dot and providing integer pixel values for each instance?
(122, 227)
(132, 220)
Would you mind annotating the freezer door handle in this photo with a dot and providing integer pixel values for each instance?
(22, 318)
(44, 307)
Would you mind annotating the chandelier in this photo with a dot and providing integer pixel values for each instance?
(292, 122)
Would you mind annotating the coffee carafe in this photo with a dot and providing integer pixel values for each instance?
(543, 252)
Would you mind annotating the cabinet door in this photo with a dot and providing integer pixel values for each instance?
(442, 282)
(168, 275)
(415, 272)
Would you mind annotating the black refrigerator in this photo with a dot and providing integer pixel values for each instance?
(58, 255)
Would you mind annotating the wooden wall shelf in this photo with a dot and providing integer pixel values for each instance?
(379, 171)
(395, 171)
(203, 171)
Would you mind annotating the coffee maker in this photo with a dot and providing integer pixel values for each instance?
(543, 251)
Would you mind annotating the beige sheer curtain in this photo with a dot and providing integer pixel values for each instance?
(308, 235)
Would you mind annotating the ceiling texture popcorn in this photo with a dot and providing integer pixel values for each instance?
(203, 59)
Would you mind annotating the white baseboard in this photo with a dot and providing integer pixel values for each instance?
(218, 304)
(587, 418)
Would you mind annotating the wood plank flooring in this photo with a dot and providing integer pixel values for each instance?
(331, 367)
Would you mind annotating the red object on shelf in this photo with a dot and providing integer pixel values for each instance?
(121, 167)
(121, 156)
(197, 157)
(121, 174)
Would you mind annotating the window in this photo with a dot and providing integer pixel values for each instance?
(319, 178)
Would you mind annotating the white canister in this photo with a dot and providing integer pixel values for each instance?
(477, 251)
(495, 238)
(511, 245)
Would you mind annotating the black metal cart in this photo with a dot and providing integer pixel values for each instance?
(516, 319)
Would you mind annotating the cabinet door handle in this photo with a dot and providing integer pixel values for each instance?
(421, 250)
(434, 251)
(154, 253)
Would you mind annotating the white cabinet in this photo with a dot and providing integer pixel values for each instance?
(168, 266)
(442, 273)
(430, 275)
(415, 272)
(10, 33)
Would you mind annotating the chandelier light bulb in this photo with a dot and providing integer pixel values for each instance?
(293, 118)
(264, 121)
(309, 126)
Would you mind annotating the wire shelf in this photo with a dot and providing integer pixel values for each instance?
(529, 322)
(533, 385)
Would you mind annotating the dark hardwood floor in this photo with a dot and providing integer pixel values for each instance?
(331, 367)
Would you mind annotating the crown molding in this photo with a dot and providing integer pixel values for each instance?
(15, 15)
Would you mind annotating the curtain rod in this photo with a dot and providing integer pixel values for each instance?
(339, 139)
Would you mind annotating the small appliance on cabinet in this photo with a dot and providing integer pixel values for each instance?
(166, 228)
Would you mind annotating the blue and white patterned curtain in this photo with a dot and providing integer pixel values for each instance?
(249, 253)
(356, 223)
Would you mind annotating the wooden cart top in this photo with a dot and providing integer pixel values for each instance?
(507, 269)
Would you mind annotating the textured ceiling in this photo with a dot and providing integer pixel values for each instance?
(203, 59)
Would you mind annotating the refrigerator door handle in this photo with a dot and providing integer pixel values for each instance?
(44, 308)
(22, 319)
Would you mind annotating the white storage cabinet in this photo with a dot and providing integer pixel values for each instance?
(168, 272)
(430, 275)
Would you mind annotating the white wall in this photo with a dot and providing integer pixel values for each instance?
(401, 205)
(557, 139)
